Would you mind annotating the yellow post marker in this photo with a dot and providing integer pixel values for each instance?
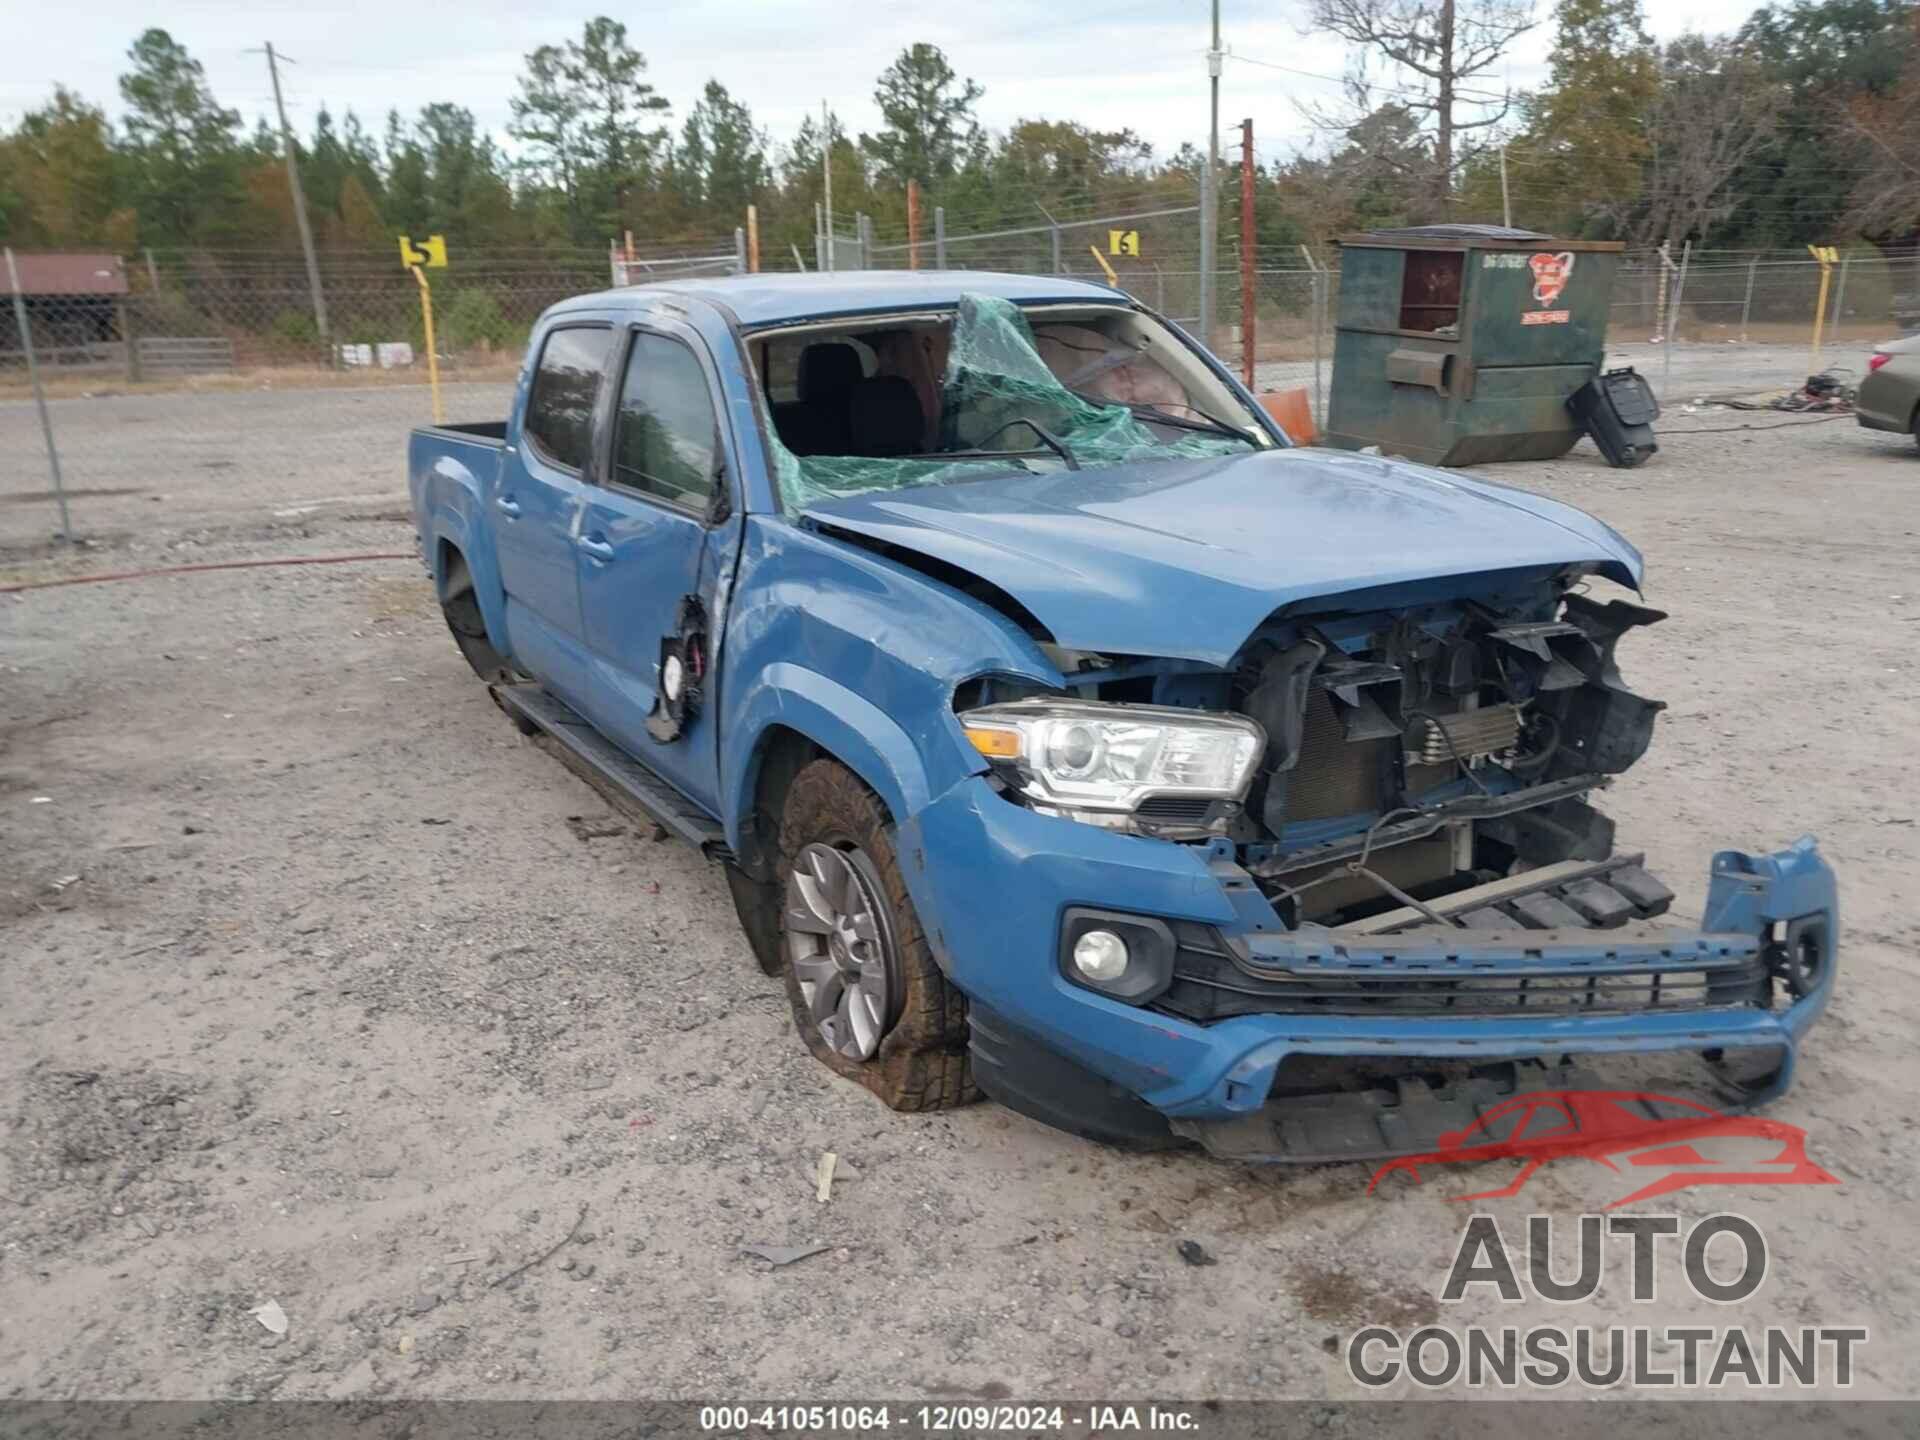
(433, 357)
(1101, 261)
(1125, 243)
(431, 254)
(1826, 255)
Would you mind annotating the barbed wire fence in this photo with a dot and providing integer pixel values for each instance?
(177, 341)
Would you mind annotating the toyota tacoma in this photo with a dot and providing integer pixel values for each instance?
(1068, 734)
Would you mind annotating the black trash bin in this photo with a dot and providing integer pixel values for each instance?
(1618, 410)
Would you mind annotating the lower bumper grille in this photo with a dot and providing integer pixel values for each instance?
(1211, 983)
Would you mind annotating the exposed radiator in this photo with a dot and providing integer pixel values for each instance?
(1334, 775)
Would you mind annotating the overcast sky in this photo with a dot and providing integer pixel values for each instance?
(1107, 63)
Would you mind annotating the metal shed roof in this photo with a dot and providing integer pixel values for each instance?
(66, 273)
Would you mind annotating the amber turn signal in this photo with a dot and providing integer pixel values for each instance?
(995, 744)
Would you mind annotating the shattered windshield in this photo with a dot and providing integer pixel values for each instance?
(876, 412)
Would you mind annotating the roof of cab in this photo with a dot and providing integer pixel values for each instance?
(782, 298)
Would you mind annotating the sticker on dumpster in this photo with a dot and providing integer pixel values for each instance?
(1550, 274)
(1545, 317)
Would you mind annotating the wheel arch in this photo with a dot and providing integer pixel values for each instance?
(454, 539)
(447, 555)
(796, 716)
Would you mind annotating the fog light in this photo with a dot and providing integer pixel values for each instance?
(1100, 955)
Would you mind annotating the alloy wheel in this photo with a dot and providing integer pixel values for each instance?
(840, 945)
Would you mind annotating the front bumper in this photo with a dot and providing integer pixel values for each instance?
(991, 881)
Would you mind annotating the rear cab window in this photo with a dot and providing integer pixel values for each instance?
(566, 382)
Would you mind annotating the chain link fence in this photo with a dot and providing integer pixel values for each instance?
(1152, 254)
(1699, 325)
(165, 372)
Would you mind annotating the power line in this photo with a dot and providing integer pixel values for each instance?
(1478, 96)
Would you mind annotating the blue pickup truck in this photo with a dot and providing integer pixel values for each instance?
(1068, 734)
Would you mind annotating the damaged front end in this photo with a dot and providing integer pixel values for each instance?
(1395, 794)
(1356, 762)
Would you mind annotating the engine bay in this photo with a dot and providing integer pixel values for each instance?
(1410, 751)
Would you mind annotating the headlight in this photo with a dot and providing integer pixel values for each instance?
(1085, 756)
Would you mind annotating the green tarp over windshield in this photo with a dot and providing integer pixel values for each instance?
(995, 378)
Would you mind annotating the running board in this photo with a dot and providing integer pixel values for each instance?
(626, 784)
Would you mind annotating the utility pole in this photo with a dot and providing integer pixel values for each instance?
(1506, 201)
(1249, 298)
(1443, 147)
(300, 205)
(1209, 185)
(826, 181)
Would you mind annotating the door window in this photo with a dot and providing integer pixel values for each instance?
(666, 432)
(560, 409)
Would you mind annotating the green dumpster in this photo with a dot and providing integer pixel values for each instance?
(1459, 344)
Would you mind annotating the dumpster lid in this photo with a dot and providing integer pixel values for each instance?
(1469, 237)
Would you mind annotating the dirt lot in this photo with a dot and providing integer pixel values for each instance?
(322, 987)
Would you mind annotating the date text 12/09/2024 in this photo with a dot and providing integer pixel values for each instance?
(948, 1418)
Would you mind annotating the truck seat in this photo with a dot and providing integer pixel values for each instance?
(884, 418)
(816, 423)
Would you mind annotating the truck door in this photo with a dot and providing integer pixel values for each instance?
(651, 556)
(537, 506)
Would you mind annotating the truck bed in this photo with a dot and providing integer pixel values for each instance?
(486, 431)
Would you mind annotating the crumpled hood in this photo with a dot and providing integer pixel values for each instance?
(1184, 558)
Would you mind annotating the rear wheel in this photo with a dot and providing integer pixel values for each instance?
(461, 607)
(867, 997)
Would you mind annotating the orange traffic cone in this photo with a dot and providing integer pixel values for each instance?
(1289, 408)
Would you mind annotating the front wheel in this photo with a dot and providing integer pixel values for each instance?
(868, 998)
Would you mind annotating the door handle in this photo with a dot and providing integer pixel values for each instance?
(598, 549)
(508, 506)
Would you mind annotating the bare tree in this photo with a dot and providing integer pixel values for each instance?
(1716, 109)
(1440, 44)
(1372, 177)
(1886, 131)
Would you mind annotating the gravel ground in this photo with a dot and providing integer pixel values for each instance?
(323, 988)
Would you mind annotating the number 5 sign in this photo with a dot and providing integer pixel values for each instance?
(431, 252)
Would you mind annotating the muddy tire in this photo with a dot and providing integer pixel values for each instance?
(461, 607)
(867, 997)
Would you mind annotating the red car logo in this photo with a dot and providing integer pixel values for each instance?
(1630, 1132)
(1550, 274)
